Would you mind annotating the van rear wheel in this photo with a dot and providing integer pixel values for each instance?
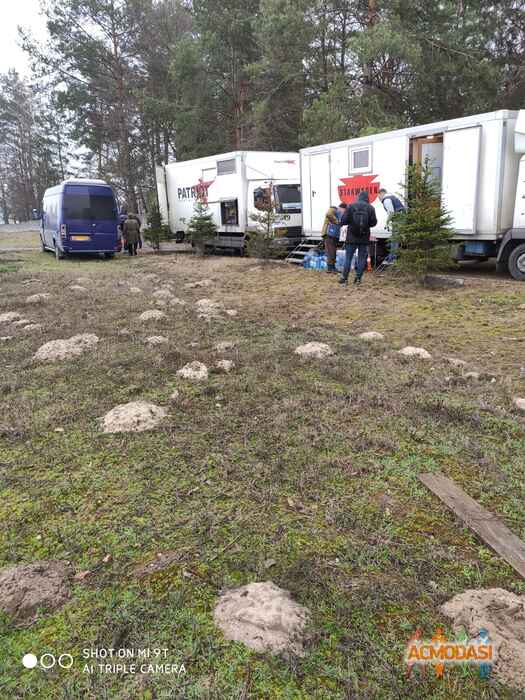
(59, 254)
(517, 263)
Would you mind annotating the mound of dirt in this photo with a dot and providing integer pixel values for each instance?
(135, 290)
(21, 322)
(27, 587)
(225, 365)
(208, 309)
(232, 312)
(175, 301)
(38, 298)
(9, 317)
(133, 417)
(156, 340)
(519, 403)
(65, 349)
(502, 614)
(371, 336)
(78, 289)
(224, 346)
(317, 350)
(456, 362)
(200, 283)
(264, 617)
(33, 327)
(5, 338)
(152, 315)
(194, 370)
(162, 293)
(419, 353)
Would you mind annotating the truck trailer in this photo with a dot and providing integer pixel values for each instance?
(479, 162)
(235, 185)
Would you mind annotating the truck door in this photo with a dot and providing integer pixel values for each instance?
(319, 189)
(460, 176)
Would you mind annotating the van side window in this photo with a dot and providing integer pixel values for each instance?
(230, 213)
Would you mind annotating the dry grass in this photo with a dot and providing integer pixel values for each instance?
(312, 464)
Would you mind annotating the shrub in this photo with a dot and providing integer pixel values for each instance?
(201, 227)
(261, 239)
(423, 231)
(157, 231)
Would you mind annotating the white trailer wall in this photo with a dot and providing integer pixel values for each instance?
(478, 166)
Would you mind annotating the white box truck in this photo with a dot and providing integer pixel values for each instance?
(235, 183)
(479, 161)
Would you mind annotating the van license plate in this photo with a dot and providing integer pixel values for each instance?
(80, 238)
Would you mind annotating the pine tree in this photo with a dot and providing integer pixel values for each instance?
(262, 234)
(423, 231)
(201, 227)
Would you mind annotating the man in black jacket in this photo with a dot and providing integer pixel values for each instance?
(360, 217)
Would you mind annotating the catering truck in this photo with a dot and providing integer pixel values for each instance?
(236, 186)
(479, 162)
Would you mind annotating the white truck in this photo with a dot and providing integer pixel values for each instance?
(236, 184)
(479, 162)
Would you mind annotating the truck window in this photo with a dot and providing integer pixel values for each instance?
(261, 198)
(88, 206)
(226, 167)
(230, 213)
(288, 199)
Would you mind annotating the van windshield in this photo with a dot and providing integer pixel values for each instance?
(88, 206)
(288, 198)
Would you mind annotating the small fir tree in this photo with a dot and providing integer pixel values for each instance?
(156, 232)
(261, 238)
(423, 231)
(201, 227)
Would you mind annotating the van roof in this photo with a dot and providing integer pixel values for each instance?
(75, 181)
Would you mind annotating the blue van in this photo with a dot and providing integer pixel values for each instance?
(80, 216)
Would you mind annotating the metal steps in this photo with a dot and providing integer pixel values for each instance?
(296, 257)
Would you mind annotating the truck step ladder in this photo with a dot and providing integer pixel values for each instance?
(296, 257)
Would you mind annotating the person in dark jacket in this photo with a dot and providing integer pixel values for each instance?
(360, 217)
(131, 233)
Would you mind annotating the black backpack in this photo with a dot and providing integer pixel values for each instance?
(360, 220)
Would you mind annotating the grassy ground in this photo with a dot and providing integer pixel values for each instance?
(311, 464)
(20, 236)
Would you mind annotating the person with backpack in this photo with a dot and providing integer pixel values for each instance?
(360, 217)
(330, 234)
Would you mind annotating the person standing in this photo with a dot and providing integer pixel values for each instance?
(360, 217)
(393, 206)
(330, 233)
(131, 233)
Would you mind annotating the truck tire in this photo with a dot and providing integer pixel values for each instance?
(517, 263)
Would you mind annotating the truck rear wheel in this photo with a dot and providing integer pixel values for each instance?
(517, 263)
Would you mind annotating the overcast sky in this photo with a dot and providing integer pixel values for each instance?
(13, 13)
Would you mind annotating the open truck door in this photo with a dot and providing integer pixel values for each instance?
(461, 154)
